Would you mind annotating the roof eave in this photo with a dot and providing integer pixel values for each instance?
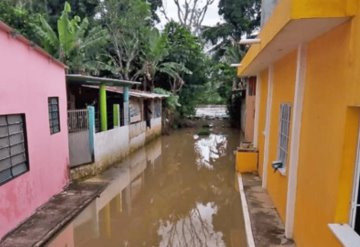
(92, 80)
(291, 24)
(16, 35)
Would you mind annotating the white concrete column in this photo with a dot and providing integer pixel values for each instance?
(257, 109)
(295, 140)
(267, 125)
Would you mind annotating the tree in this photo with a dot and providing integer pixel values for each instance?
(191, 13)
(154, 6)
(241, 17)
(184, 49)
(175, 72)
(72, 41)
(18, 18)
(128, 22)
(51, 9)
(152, 55)
(152, 59)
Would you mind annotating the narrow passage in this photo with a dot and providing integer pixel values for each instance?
(179, 190)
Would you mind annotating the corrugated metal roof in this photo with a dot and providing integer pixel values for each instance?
(132, 93)
(93, 80)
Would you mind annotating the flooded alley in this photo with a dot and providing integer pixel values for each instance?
(180, 190)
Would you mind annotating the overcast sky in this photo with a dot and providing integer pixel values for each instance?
(210, 19)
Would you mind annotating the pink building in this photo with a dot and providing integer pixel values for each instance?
(34, 152)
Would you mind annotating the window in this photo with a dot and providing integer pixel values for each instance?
(13, 147)
(285, 112)
(54, 117)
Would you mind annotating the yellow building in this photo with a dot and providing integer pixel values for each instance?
(307, 64)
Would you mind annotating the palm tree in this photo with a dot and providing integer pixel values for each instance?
(152, 63)
(72, 43)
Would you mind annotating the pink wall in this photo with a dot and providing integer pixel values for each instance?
(27, 79)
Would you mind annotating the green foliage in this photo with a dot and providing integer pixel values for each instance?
(185, 55)
(118, 38)
(51, 10)
(18, 18)
(152, 55)
(72, 41)
(154, 5)
(241, 17)
(172, 101)
(128, 22)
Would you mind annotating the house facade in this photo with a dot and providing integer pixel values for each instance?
(307, 66)
(108, 121)
(33, 129)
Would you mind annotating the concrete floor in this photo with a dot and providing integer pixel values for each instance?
(48, 220)
(267, 228)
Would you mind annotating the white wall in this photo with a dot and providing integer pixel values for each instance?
(112, 145)
(155, 128)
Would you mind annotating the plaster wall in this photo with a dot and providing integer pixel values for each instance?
(27, 79)
(111, 145)
(283, 92)
(331, 114)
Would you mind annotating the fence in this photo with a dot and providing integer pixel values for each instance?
(77, 120)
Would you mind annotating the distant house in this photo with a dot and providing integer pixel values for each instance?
(307, 117)
(34, 152)
(107, 121)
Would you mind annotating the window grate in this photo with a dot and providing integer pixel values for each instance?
(54, 116)
(285, 113)
(13, 147)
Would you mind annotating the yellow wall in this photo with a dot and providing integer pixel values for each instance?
(328, 135)
(283, 92)
(287, 10)
(262, 117)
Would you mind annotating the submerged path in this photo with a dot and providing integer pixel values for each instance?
(180, 190)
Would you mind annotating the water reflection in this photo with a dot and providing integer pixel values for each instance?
(195, 230)
(159, 196)
(209, 149)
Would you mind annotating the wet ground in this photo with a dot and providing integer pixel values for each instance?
(179, 190)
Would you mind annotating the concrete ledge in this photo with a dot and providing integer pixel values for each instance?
(248, 228)
(49, 219)
(266, 226)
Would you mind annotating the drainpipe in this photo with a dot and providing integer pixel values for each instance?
(103, 108)
(126, 105)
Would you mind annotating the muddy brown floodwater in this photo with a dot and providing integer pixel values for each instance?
(180, 190)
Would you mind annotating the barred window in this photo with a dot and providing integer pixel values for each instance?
(285, 112)
(13, 147)
(54, 116)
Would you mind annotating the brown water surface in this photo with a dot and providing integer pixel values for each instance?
(179, 190)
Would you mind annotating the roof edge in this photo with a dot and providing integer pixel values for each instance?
(17, 36)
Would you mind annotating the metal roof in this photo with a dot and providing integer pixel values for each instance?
(93, 80)
(132, 93)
